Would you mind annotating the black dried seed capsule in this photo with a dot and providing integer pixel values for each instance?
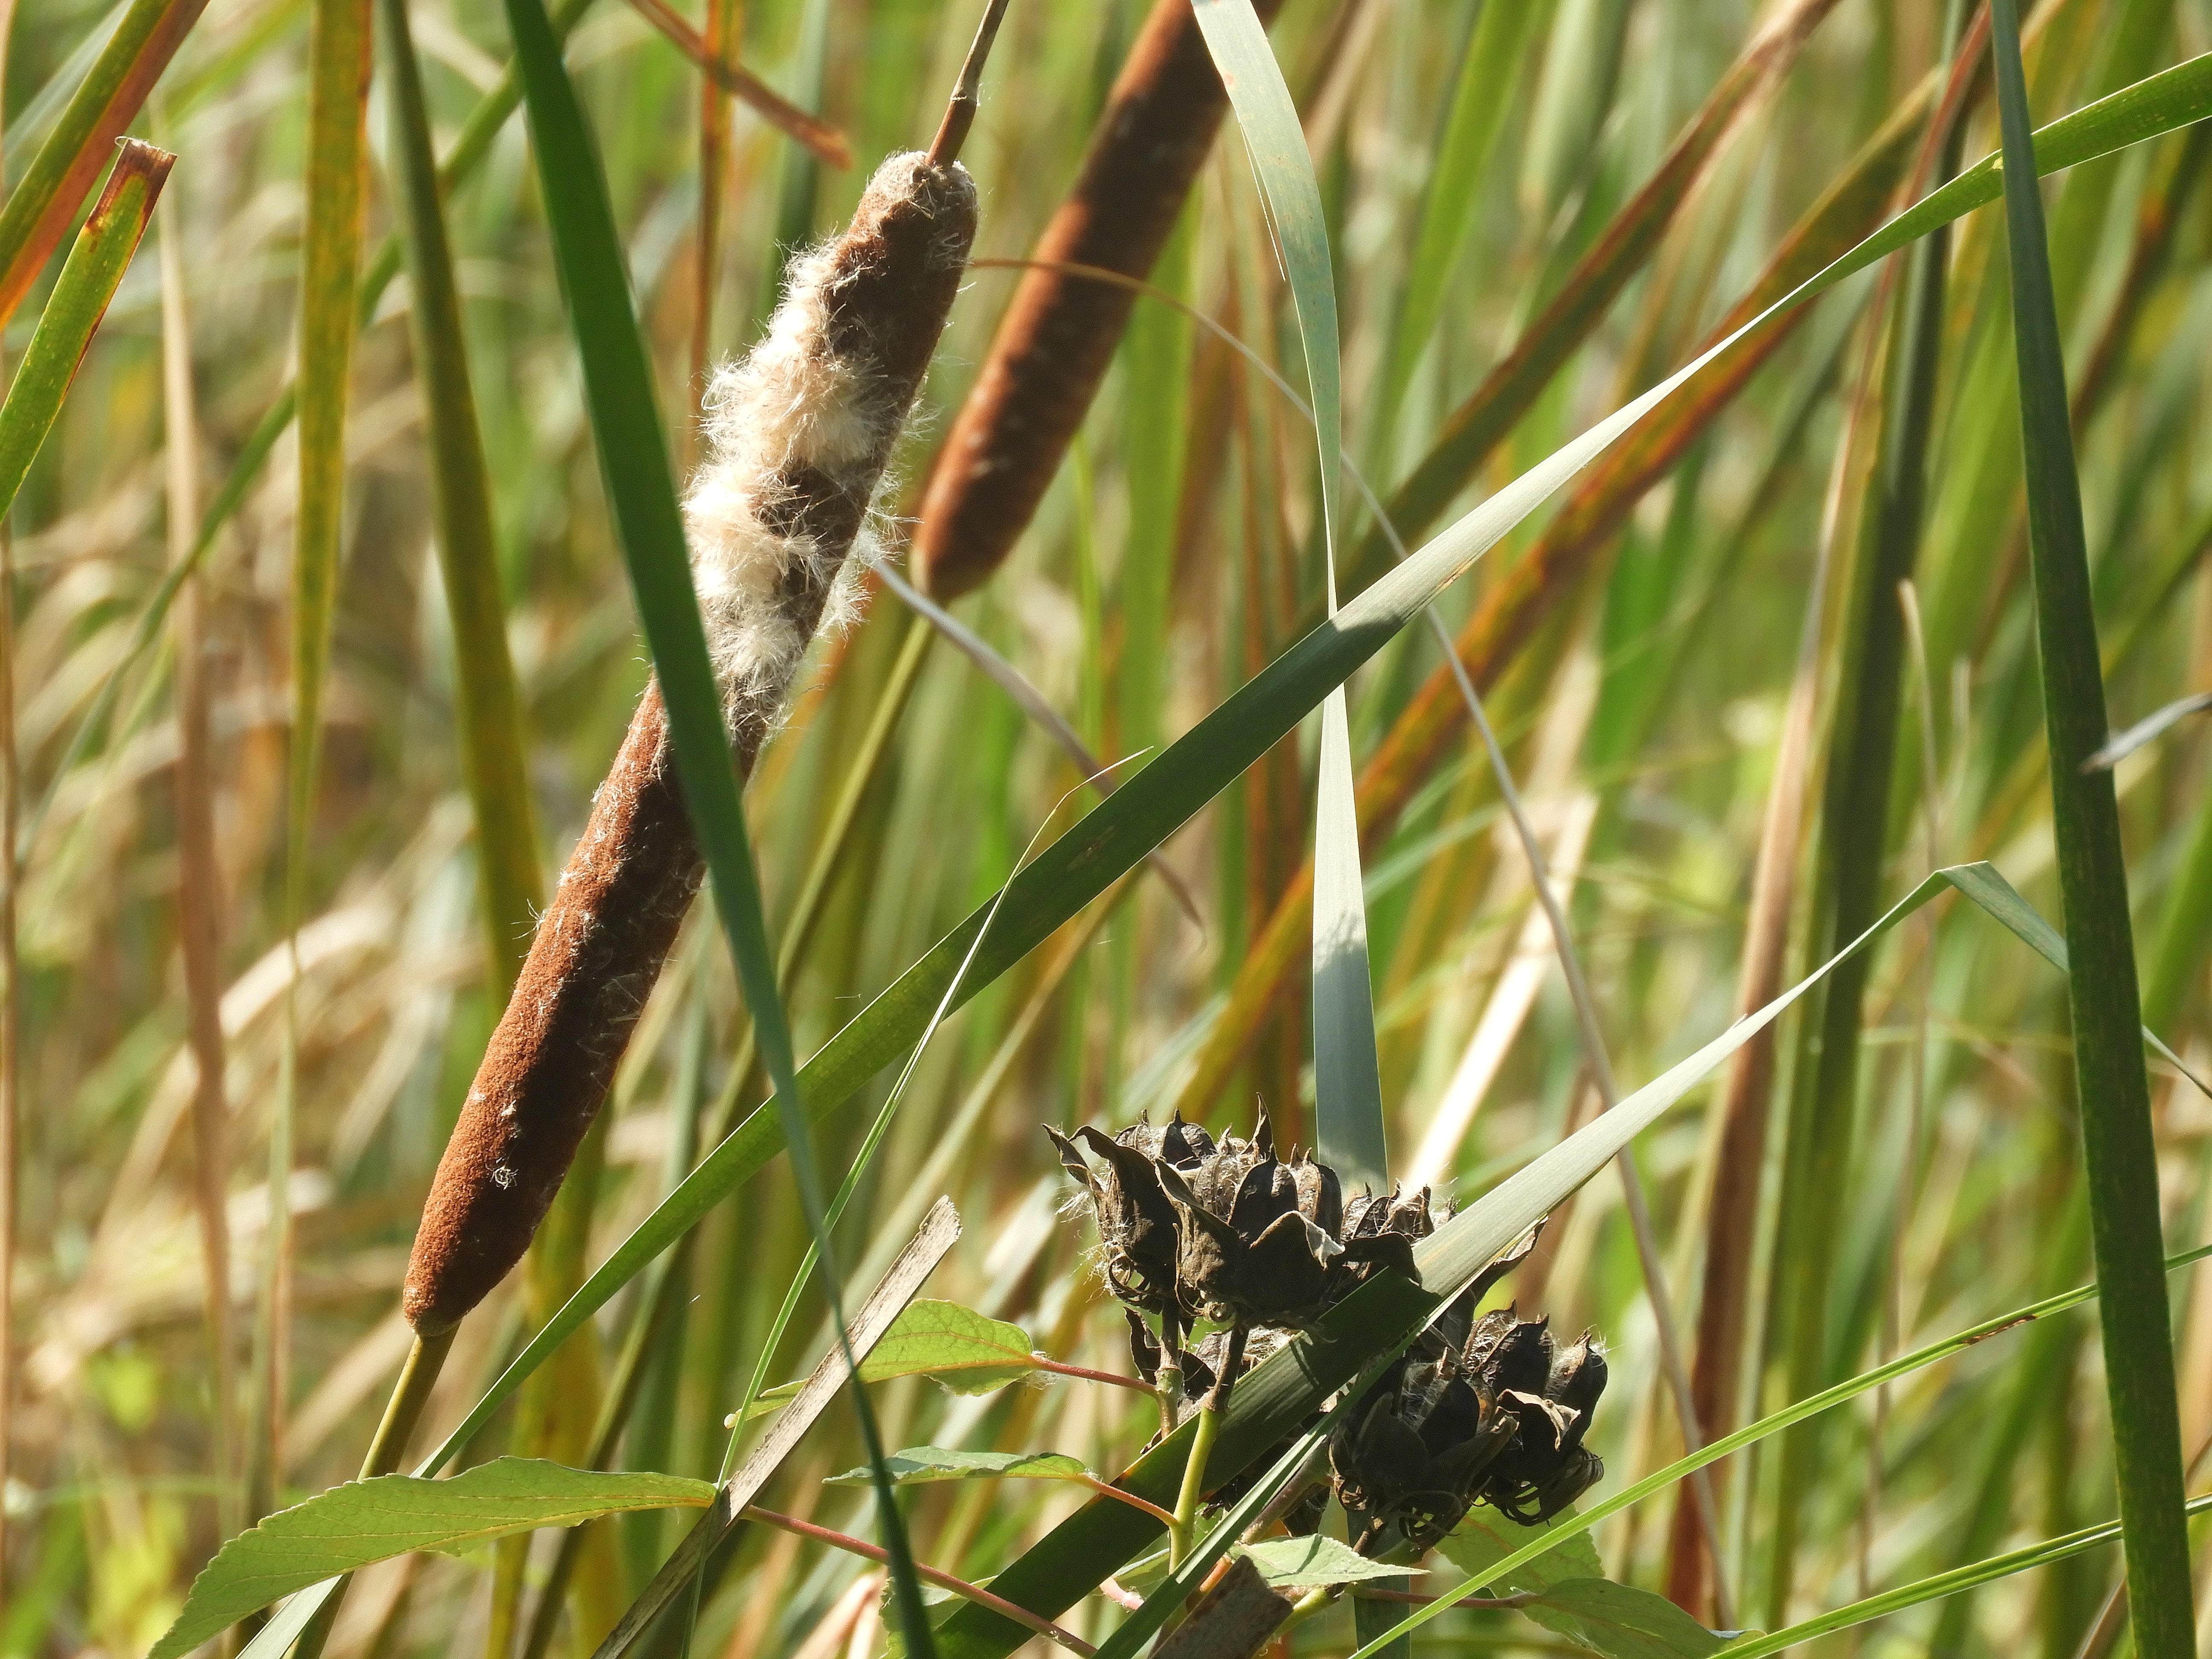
(1547, 1467)
(1410, 1465)
(1257, 1236)
(1136, 1222)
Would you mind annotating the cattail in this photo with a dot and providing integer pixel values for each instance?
(1058, 334)
(781, 519)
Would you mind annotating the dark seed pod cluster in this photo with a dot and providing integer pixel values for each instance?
(1484, 1410)
(1474, 1412)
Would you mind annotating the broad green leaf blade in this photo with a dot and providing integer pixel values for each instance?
(1621, 1621)
(1930, 1589)
(1347, 1087)
(920, 1466)
(1109, 840)
(41, 206)
(96, 263)
(634, 463)
(1306, 1562)
(350, 1526)
(1486, 1537)
(966, 1351)
(494, 750)
(2112, 1084)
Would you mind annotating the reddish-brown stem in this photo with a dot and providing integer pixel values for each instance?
(937, 1575)
(1061, 1368)
(826, 142)
(1108, 1489)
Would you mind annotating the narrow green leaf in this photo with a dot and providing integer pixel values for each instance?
(351, 1526)
(1306, 1562)
(633, 463)
(42, 205)
(95, 264)
(1621, 1621)
(1347, 1087)
(1108, 841)
(1933, 1588)
(920, 1466)
(2113, 1085)
(2146, 730)
(335, 187)
(493, 748)
(1495, 48)
(967, 1352)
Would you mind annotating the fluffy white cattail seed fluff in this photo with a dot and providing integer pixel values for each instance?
(782, 517)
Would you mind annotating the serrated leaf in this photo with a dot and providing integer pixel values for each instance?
(362, 1522)
(1621, 1621)
(1487, 1537)
(1306, 1562)
(922, 1465)
(967, 1352)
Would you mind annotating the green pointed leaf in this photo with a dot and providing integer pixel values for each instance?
(352, 1526)
(1306, 1562)
(967, 1352)
(921, 1465)
(1348, 1118)
(1621, 1621)
(1487, 1537)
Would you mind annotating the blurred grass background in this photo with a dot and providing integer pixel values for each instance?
(1173, 556)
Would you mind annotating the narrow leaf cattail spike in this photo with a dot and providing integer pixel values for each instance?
(1060, 331)
(799, 435)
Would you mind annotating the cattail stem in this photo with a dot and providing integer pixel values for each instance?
(960, 113)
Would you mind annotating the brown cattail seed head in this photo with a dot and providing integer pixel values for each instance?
(800, 435)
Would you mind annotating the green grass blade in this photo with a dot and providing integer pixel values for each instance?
(1495, 47)
(2024, 1559)
(39, 209)
(1347, 1085)
(95, 264)
(2113, 1087)
(1107, 842)
(494, 748)
(640, 489)
(1853, 844)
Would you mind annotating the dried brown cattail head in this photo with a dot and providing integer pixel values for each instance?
(800, 434)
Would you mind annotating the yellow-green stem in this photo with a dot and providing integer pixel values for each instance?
(402, 1412)
(1194, 1484)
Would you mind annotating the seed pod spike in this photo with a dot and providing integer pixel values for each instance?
(779, 521)
(960, 113)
